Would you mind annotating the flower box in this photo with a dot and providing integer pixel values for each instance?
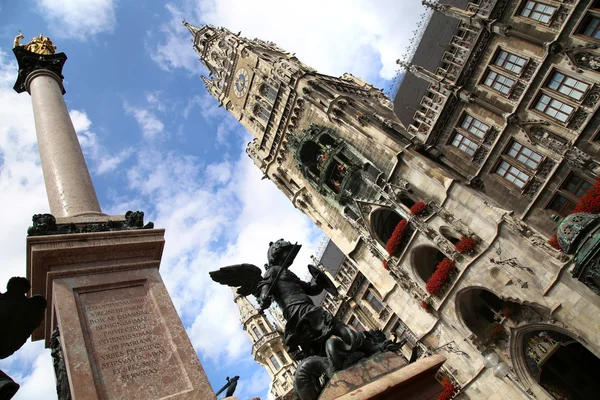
(394, 243)
(418, 208)
(438, 280)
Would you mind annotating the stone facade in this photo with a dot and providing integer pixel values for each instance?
(267, 347)
(528, 135)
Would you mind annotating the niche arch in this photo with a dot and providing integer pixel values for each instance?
(424, 258)
(552, 358)
(382, 223)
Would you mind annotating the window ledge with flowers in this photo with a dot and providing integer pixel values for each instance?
(439, 282)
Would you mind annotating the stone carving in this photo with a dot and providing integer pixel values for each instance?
(45, 224)
(517, 91)
(545, 169)
(20, 316)
(591, 100)
(532, 187)
(529, 70)
(60, 370)
(548, 140)
(231, 385)
(559, 17)
(490, 136)
(480, 155)
(311, 333)
(578, 119)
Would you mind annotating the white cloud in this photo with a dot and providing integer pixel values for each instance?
(39, 383)
(330, 40)
(21, 181)
(23, 194)
(175, 50)
(147, 120)
(78, 19)
(103, 161)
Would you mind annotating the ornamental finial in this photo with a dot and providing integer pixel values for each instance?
(39, 45)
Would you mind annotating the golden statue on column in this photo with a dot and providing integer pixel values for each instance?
(40, 44)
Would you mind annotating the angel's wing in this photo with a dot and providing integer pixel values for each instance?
(243, 276)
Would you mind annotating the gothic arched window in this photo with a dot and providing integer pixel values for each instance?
(269, 92)
(261, 112)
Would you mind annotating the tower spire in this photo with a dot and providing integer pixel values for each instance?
(192, 28)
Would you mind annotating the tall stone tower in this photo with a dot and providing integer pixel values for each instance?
(435, 235)
(267, 347)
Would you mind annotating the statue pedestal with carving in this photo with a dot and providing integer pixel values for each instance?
(386, 376)
(120, 335)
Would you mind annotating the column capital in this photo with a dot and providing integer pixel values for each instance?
(30, 62)
(43, 72)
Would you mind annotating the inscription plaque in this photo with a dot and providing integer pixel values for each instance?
(130, 344)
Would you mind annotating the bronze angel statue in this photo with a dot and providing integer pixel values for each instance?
(312, 334)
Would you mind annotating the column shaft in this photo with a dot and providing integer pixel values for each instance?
(68, 183)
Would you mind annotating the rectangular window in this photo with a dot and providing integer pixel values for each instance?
(474, 126)
(374, 301)
(561, 205)
(275, 362)
(356, 324)
(576, 185)
(553, 108)
(499, 82)
(568, 86)
(538, 11)
(568, 194)
(281, 357)
(262, 328)
(464, 144)
(524, 155)
(256, 333)
(592, 28)
(512, 174)
(510, 61)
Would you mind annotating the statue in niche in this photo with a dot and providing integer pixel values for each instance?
(313, 336)
(231, 385)
(20, 316)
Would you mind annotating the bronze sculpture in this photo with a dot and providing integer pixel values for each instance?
(231, 385)
(312, 334)
(20, 316)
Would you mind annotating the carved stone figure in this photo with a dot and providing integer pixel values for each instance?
(309, 328)
(231, 385)
(60, 370)
(20, 316)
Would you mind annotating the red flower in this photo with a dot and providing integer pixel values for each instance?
(443, 271)
(495, 332)
(554, 242)
(418, 208)
(449, 389)
(590, 201)
(385, 265)
(466, 245)
(506, 312)
(425, 306)
(393, 244)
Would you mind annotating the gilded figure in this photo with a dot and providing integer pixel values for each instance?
(39, 45)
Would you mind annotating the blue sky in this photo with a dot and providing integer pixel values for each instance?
(155, 141)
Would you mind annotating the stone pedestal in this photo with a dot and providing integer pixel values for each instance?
(386, 376)
(121, 335)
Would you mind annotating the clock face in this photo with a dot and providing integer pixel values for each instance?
(240, 83)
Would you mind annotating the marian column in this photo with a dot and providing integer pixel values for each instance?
(110, 322)
(68, 183)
